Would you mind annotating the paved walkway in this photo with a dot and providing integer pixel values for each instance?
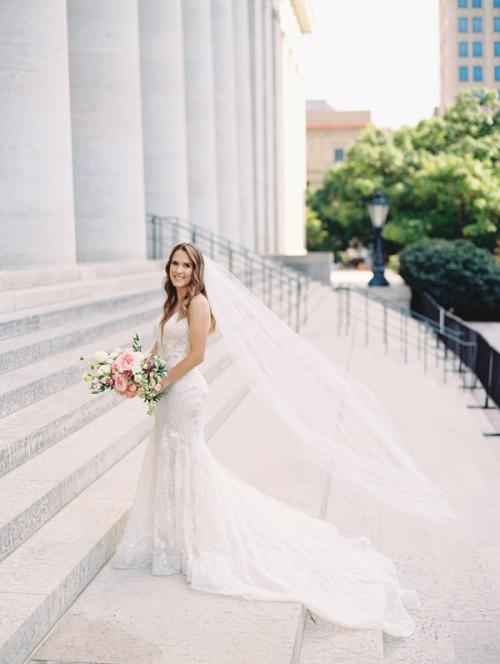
(397, 292)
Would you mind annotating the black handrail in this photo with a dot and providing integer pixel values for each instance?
(277, 284)
(484, 363)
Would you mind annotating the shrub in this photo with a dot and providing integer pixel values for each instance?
(460, 276)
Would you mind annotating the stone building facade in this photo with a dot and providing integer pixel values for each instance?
(469, 46)
(112, 109)
(330, 134)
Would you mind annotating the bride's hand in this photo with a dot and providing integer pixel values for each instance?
(165, 382)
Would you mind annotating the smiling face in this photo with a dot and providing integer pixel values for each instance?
(181, 269)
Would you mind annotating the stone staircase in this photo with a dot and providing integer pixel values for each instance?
(68, 460)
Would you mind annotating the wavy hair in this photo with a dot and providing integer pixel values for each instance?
(196, 285)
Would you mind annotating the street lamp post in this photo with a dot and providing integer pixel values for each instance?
(378, 207)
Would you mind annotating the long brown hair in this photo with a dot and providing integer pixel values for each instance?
(196, 285)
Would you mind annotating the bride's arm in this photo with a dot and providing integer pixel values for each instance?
(154, 349)
(199, 320)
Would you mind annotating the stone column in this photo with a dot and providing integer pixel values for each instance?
(200, 113)
(225, 120)
(278, 129)
(163, 108)
(244, 124)
(107, 129)
(269, 131)
(257, 73)
(36, 188)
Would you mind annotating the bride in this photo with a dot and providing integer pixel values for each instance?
(194, 516)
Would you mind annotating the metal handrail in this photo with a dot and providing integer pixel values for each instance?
(282, 288)
(450, 339)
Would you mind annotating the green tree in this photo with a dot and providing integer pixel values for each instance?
(442, 178)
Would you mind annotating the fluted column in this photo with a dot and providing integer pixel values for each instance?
(200, 113)
(278, 128)
(36, 190)
(244, 124)
(269, 131)
(225, 120)
(107, 129)
(257, 73)
(163, 108)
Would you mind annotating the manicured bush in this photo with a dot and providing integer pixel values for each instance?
(460, 276)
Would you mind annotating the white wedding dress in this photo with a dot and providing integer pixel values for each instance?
(192, 515)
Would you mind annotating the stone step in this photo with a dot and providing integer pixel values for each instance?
(23, 386)
(42, 577)
(16, 279)
(27, 349)
(30, 298)
(36, 490)
(17, 352)
(41, 318)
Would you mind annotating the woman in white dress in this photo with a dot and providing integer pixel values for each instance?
(192, 515)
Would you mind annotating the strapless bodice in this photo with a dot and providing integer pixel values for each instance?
(174, 344)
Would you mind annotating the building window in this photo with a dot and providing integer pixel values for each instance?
(463, 73)
(462, 25)
(338, 155)
(497, 73)
(463, 49)
(462, 4)
(496, 24)
(477, 4)
(497, 48)
(477, 24)
(496, 3)
(478, 73)
(477, 49)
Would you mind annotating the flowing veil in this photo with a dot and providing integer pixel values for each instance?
(333, 420)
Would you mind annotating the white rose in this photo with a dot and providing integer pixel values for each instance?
(138, 360)
(106, 369)
(101, 356)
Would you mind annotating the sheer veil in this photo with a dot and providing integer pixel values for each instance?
(334, 421)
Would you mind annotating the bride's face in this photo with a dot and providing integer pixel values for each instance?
(181, 269)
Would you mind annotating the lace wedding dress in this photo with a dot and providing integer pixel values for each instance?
(194, 516)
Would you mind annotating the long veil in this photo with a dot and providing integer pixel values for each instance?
(333, 420)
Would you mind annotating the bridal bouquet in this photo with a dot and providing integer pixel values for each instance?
(127, 371)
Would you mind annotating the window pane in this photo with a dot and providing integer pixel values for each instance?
(477, 4)
(339, 154)
(497, 48)
(462, 4)
(463, 49)
(477, 24)
(463, 73)
(462, 25)
(497, 23)
(496, 3)
(477, 49)
(497, 73)
(478, 73)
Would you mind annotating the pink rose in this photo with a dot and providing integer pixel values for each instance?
(121, 383)
(125, 361)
